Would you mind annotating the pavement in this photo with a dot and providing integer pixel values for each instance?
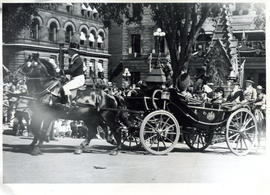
(58, 164)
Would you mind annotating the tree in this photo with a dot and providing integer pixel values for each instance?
(17, 16)
(181, 22)
(259, 20)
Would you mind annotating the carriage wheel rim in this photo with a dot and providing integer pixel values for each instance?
(241, 132)
(155, 137)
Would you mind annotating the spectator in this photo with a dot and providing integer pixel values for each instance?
(74, 129)
(261, 99)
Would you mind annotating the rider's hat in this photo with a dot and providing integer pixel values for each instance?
(75, 42)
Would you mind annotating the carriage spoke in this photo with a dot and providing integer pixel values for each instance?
(165, 123)
(233, 136)
(235, 131)
(151, 137)
(167, 138)
(236, 139)
(245, 144)
(249, 128)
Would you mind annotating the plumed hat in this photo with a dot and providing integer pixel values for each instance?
(75, 42)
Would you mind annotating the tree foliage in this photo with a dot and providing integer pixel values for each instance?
(259, 20)
(181, 22)
(16, 16)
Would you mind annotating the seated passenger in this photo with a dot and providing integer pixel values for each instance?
(250, 93)
(236, 95)
(218, 96)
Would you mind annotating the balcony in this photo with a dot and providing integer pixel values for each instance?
(246, 49)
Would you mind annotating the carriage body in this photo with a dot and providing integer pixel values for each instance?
(198, 122)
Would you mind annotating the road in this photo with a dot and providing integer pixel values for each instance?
(58, 164)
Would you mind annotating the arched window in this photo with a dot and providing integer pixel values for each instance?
(35, 28)
(91, 39)
(100, 41)
(83, 36)
(68, 34)
(53, 32)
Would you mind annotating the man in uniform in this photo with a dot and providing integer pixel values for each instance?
(75, 69)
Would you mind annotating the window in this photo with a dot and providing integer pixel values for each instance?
(136, 43)
(92, 71)
(34, 31)
(100, 41)
(53, 32)
(83, 36)
(91, 40)
(68, 34)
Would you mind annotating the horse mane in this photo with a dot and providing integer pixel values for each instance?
(49, 66)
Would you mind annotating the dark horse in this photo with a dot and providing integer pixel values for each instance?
(44, 85)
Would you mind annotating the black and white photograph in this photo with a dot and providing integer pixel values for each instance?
(134, 93)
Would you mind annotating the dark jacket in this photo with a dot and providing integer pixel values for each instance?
(76, 67)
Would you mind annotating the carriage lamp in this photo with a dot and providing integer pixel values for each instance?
(158, 34)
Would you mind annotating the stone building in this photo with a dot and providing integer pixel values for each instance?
(137, 42)
(52, 28)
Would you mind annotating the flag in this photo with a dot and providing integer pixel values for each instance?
(242, 68)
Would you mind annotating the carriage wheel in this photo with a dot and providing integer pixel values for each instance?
(130, 139)
(241, 131)
(197, 139)
(156, 97)
(159, 132)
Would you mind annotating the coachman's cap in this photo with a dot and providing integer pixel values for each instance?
(75, 42)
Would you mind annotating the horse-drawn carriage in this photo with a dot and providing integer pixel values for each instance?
(154, 119)
(167, 114)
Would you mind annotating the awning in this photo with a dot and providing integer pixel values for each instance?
(91, 37)
(89, 8)
(84, 7)
(100, 39)
(83, 37)
(95, 11)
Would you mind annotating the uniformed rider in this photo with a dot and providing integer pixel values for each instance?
(75, 69)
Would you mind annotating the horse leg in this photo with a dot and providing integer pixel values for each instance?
(117, 136)
(35, 140)
(90, 135)
(36, 149)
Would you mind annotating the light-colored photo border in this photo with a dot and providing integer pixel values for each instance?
(118, 189)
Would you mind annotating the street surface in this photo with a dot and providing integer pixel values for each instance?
(58, 164)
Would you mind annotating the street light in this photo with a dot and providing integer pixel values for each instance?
(158, 34)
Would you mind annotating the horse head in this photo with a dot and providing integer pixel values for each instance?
(38, 72)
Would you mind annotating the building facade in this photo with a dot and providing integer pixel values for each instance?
(137, 42)
(52, 28)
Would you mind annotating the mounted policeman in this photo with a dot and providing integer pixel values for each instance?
(75, 70)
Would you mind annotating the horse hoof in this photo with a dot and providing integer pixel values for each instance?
(36, 151)
(114, 153)
(78, 151)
